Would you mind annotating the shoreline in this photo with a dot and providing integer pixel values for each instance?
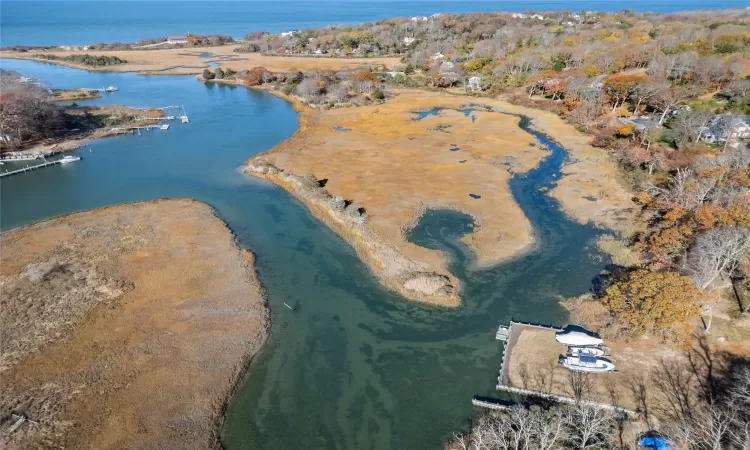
(178, 61)
(35, 366)
(70, 143)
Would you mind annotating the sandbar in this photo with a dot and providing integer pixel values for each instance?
(181, 61)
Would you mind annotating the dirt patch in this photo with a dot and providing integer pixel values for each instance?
(177, 61)
(395, 165)
(124, 327)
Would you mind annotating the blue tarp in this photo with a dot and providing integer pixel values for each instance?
(654, 443)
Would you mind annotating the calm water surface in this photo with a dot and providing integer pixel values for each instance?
(354, 366)
(59, 22)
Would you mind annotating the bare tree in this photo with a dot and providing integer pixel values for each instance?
(591, 426)
(716, 253)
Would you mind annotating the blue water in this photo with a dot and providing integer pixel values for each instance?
(88, 22)
(354, 366)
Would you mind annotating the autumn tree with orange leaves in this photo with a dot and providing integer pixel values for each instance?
(662, 303)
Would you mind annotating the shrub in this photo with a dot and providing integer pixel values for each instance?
(208, 75)
(377, 94)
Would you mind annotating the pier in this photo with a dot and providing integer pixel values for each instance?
(530, 368)
(8, 173)
(24, 156)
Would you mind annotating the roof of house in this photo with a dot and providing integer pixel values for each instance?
(177, 38)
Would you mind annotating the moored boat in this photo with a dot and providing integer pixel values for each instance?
(585, 351)
(586, 363)
(69, 159)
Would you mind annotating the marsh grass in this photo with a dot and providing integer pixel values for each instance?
(618, 250)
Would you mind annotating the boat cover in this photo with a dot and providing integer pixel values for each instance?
(577, 338)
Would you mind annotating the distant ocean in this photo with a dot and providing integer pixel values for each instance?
(76, 22)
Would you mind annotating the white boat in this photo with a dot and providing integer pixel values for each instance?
(577, 338)
(587, 364)
(585, 351)
(184, 119)
(164, 127)
(111, 89)
(69, 159)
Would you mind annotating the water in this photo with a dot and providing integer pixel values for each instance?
(56, 22)
(354, 366)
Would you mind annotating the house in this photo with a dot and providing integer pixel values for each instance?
(419, 19)
(177, 39)
(447, 66)
(519, 16)
(726, 129)
(644, 123)
(409, 40)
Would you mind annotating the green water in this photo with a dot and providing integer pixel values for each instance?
(354, 366)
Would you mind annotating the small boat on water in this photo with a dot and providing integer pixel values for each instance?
(585, 351)
(69, 159)
(585, 363)
(112, 89)
(164, 127)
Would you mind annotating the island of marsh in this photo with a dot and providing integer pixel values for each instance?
(371, 172)
(125, 327)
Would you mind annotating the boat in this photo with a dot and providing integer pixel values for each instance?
(577, 338)
(585, 351)
(164, 127)
(111, 89)
(590, 364)
(69, 159)
(184, 119)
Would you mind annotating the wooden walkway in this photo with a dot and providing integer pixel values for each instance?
(8, 173)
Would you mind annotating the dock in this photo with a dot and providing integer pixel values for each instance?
(8, 173)
(487, 404)
(530, 368)
(24, 156)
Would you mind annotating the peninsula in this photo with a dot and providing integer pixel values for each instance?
(125, 327)
(370, 172)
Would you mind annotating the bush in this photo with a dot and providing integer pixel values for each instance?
(377, 94)
(208, 75)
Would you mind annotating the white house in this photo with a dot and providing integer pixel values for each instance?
(537, 17)
(409, 40)
(447, 65)
(519, 16)
(419, 19)
(177, 39)
(289, 33)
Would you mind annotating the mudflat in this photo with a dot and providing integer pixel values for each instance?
(370, 173)
(124, 327)
(189, 61)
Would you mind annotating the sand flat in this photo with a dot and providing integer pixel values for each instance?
(125, 327)
(188, 61)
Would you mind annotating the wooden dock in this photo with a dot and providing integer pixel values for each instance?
(8, 173)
